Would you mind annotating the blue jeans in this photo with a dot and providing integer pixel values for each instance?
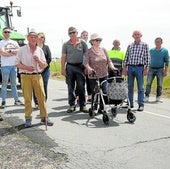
(9, 72)
(136, 72)
(158, 73)
(75, 77)
(45, 76)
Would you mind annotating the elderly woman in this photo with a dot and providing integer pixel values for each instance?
(96, 59)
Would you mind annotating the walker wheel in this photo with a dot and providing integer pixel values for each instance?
(114, 112)
(91, 113)
(131, 117)
(106, 119)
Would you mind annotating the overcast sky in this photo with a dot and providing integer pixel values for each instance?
(111, 19)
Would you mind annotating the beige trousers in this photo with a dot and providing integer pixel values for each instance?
(28, 84)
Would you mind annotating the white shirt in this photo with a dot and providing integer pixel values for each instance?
(8, 45)
(25, 57)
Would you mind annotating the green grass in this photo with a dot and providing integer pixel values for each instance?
(55, 68)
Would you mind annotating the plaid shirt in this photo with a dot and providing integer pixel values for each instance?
(137, 54)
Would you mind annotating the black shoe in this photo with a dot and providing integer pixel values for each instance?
(3, 104)
(131, 106)
(140, 108)
(49, 122)
(1, 119)
(84, 109)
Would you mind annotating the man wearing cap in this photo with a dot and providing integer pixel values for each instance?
(72, 67)
(31, 62)
(8, 51)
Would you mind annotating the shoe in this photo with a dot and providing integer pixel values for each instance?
(132, 106)
(84, 109)
(3, 104)
(71, 109)
(28, 123)
(140, 108)
(1, 119)
(146, 99)
(49, 122)
(18, 103)
(36, 106)
(89, 100)
(158, 98)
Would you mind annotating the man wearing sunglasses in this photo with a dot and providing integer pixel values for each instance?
(72, 67)
(8, 51)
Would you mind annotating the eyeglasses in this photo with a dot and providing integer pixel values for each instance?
(98, 40)
(7, 32)
(71, 33)
(42, 37)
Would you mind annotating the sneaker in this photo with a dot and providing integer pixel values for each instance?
(3, 104)
(146, 99)
(18, 103)
(71, 109)
(28, 123)
(84, 109)
(140, 108)
(158, 98)
(36, 106)
(49, 122)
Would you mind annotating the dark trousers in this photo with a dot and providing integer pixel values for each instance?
(75, 79)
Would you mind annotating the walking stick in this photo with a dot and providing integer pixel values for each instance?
(46, 123)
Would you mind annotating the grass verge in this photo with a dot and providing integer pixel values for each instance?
(55, 68)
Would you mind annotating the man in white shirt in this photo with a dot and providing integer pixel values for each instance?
(31, 62)
(8, 51)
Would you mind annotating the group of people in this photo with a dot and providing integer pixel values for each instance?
(79, 62)
(32, 61)
(80, 59)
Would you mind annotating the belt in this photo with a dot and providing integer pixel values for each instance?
(156, 67)
(137, 65)
(30, 73)
(75, 64)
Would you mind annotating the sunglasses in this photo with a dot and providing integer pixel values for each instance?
(7, 32)
(98, 40)
(70, 33)
(42, 37)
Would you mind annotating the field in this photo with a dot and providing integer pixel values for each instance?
(56, 74)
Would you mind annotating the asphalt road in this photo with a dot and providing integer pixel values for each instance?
(89, 143)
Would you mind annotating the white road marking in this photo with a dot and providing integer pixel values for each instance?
(155, 114)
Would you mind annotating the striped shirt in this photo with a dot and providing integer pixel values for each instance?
(137, 54)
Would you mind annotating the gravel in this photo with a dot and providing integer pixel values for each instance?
(19, 152)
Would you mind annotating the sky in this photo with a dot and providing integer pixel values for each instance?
(112, 19)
